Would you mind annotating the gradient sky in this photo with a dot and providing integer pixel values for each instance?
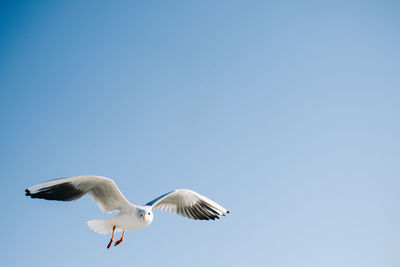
(285, 112)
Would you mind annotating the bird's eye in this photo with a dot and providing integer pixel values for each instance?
(148, 213)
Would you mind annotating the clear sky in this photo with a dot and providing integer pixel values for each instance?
(285, 112)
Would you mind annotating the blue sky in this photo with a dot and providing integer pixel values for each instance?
(285, 112)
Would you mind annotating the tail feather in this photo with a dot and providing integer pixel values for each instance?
(100, 226)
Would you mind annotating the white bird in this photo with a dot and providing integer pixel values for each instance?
(106, 194)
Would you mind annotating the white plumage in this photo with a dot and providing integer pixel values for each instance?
(106, 194)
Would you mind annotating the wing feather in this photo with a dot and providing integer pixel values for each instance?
(103, 190)
(189, 204)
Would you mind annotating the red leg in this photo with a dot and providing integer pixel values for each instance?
(112, 237)
(119, 241)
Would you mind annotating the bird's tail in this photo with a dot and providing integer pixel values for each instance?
(100, 226)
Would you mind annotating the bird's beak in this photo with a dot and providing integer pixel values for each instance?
(144, 217)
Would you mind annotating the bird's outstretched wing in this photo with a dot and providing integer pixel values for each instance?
(190, 204)
(103, 190)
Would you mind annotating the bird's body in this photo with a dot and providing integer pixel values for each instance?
(122, 221)
(129, 217)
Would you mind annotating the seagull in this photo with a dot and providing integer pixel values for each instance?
(107, 196)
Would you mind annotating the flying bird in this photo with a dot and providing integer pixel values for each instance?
(107, 196)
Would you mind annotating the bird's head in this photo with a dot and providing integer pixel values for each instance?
(146, 215)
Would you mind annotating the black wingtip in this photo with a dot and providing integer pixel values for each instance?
(227, 211)
(63, 192)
